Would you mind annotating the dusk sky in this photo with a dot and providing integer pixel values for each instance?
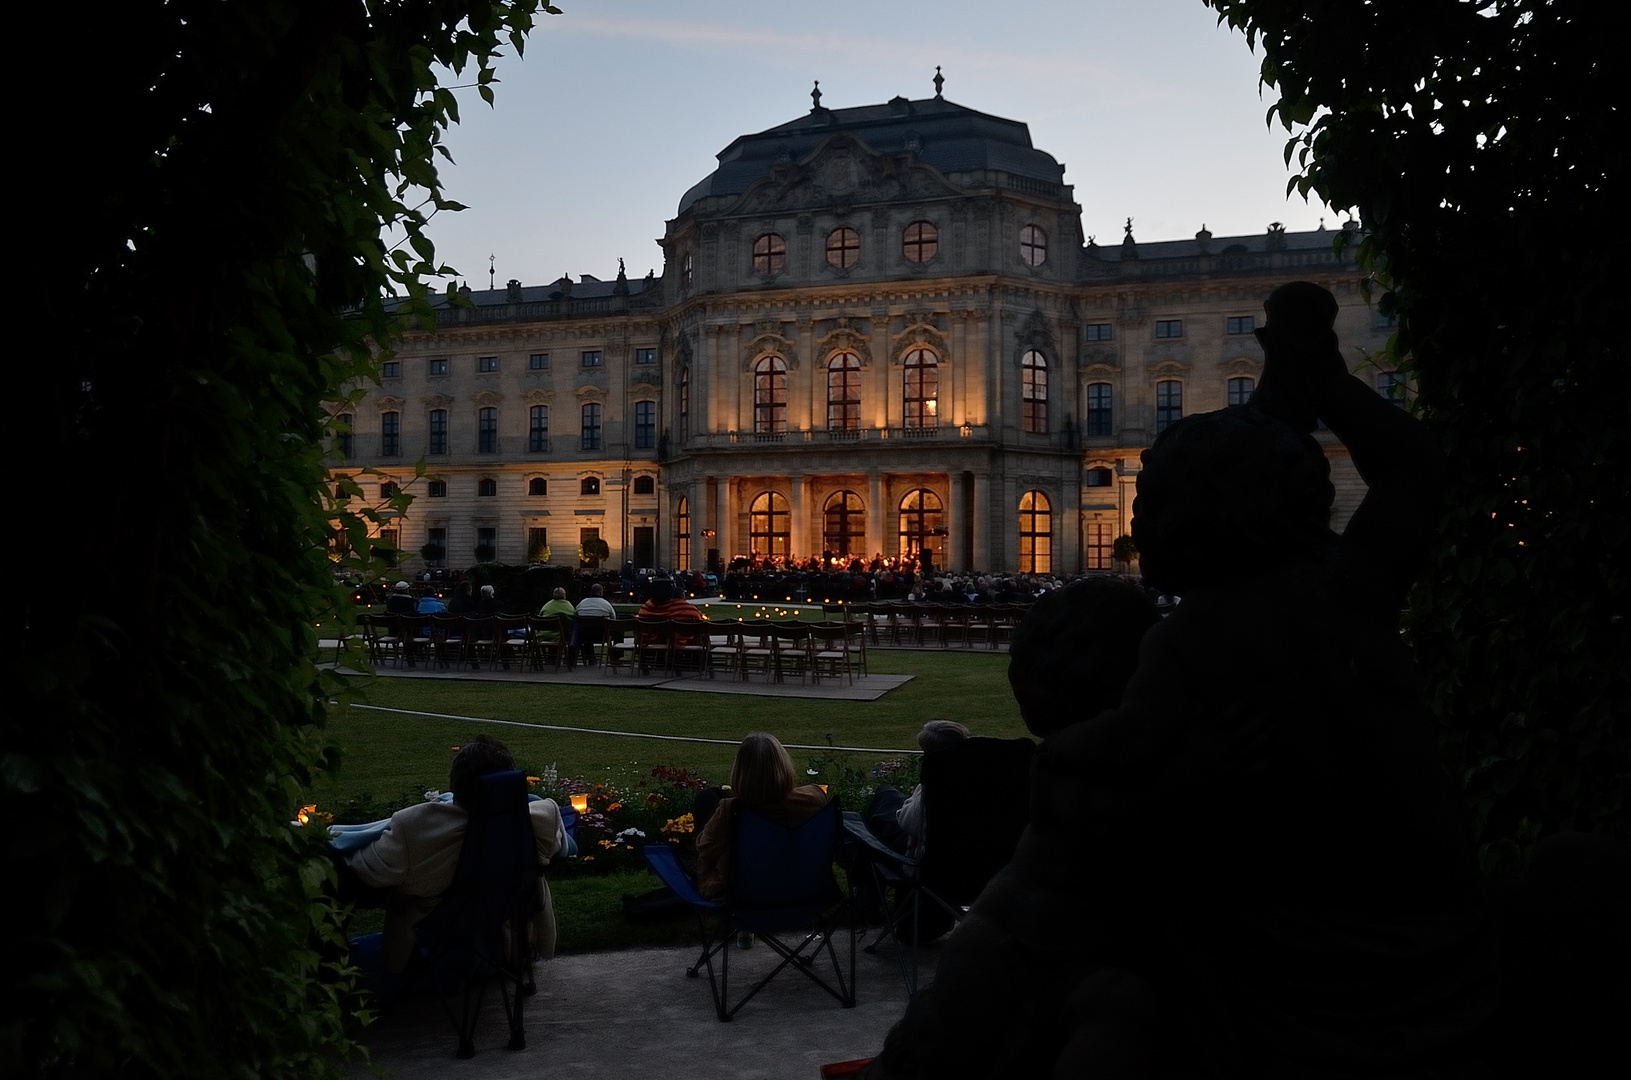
(619, 106)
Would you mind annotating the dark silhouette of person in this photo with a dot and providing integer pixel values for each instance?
(1255, 865)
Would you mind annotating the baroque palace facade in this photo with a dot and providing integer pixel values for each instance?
(878, 330)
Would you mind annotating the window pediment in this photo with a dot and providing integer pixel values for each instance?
(538, 397)
(390, 404)
(844, 338)
(438, 401)
(489, 399)
(587, 394)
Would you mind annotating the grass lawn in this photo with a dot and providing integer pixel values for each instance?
(386, 755)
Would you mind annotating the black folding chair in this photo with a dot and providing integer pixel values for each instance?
(781, 881)
(967, 838)
(478, 931)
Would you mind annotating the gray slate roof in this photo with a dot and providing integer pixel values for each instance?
(951, 137)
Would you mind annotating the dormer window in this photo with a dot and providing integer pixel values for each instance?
(843, 248)
(920, 241)
(1033, 245)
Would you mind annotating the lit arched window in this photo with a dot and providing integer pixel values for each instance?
(843, 248)
(844, 392)
(1035, 534)
(921, 399)
(1033, 245)
(768, 532)
(1033, 392)
(770, 395)
(843, 531)
(769, 254)
(919, 241)
(589, 485)
(921, 524)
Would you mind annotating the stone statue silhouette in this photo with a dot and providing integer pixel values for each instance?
(1254, 865)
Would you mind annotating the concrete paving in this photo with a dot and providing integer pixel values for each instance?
(636, 1014)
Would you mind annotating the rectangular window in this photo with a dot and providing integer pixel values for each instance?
(586, 558)
(591, 358)
(437, 489)
(538, 361)
(645, 356)
(591, 427)
(487, 431)
(487, 364)
(1239, 324)
(387, 489)
(486, 544)
(390, 546)
(1169, 404)
(390, 434)
(436, 540)
(391, 369)
(1240, 390)
(438, 365)
(1100, 418)
(537, 544)
(1099, 331)
(645, 425)
(538, 429)
(438, 431)
(1101, 542)
(1169, 328)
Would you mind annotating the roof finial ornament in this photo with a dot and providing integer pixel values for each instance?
(492, 274)
(939, 81)
(815, 97)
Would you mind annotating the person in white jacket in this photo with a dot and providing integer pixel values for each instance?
(416, 856)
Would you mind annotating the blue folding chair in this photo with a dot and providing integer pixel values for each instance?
(478, 931)
(781, 881)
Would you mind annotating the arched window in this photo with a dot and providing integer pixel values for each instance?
(538, 486)
(843, 248)
(921, 398)
(1033, 245)
(1100, 417)
(1100, 477)
(487, 431)
(770, 395)
(684, 397)
(1035, 534)
(768, 532)
(682, 534)
(538, 429)
(390, 434)
(921, 524)
(843, 531)
(645, 485)
(770, 254)
(486, 487)
(1240, 390)
(1033, 392)
(919, 241)
(1169, 403)
(844, 392)
(589, 485)
(685, 270)
(438, 431)
(589, 438)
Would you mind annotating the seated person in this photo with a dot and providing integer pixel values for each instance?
(487, 602)
(558, 604)
(400, 601)
(464, 600)
(762, 780)
(593, 606)
(414, 860)
(665, 603)
(897, 820)
(430, 604)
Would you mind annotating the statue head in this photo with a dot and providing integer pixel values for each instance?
(1227, 494)
(1075, 649)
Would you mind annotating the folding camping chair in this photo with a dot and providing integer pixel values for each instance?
(781, 880)
(479, 928)
(966, 841)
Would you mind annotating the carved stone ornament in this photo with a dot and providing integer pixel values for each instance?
(591, 393)
(1241, 366)
(1034, 334)
(763, 344)
(645, 386)
(917, 336)
(843, 169)
(1168, 368)
(1100, 362)
(438, 401)
(538, 397)
(488, 398)
(389, 404)
(843, 338)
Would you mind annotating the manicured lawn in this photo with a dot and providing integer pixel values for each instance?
(389, 757)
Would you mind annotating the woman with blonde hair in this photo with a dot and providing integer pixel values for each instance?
(762, 780)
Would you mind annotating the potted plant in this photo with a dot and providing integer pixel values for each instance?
(486, 553)
(1124, 552)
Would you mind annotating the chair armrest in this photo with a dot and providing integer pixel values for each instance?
(660, 857)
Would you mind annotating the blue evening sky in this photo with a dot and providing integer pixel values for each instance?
(619, 106)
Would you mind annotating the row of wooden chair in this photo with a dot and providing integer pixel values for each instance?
(943, 625)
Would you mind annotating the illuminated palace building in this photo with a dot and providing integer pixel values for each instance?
(877, 330)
